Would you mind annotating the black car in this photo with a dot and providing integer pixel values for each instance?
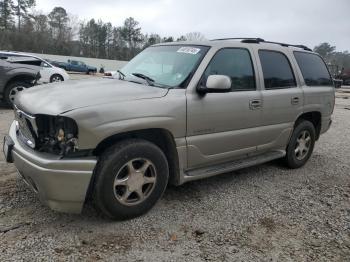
(15, 78)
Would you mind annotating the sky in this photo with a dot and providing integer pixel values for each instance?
(307, 22)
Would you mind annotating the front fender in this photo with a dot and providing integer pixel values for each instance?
(100, 122)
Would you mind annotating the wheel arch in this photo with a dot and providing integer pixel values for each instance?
(314, 117)
(20, 77)
(56, 74)
(161, 137)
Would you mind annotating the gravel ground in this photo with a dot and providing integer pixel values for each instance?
(263, 213)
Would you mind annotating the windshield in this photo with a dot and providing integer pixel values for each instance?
(168, 66)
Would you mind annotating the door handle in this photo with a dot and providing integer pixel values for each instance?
(295, 100)
(255, 104)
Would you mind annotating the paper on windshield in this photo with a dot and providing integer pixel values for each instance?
(189, 50)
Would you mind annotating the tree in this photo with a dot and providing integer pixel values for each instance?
(181, 38)
(6, 14)
(151, 39)
(195, 36)
(168, 39)
(58, 20)
(60, 31)
(325, 50)
(131, 33)
(21, 10)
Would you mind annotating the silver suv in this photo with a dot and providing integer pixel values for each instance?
(177, 112)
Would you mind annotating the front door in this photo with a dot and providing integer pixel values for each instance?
(224, 126)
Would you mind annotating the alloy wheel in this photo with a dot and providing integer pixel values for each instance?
(303, 144)
(14, 91)
(134, 181)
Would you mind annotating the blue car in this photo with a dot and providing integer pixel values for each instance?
(77, 66)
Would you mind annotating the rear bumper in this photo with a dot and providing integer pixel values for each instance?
(326, 123)
(61, 184)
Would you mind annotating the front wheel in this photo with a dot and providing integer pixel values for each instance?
(301, 144)
(130, 178)
(13, 89)
(56, 78)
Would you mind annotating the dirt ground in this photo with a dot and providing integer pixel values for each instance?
(263, 213)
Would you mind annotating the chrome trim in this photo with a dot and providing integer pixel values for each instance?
(32, 119)
(26, 134)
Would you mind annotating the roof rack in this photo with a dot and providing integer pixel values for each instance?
(240, 38)
(260, 40)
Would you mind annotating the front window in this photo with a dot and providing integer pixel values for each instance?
(235, 63)
(168, 66)
(44, 64)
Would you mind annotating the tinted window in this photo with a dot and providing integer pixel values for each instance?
(313, 68)
(235, 63)
(277, 70)
(74, 62)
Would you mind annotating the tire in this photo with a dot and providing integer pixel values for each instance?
(56, 78)
(120, 199)
(12, 90)
(301, 144)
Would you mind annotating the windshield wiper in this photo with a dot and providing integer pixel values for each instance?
(150, 81)
(121, 73)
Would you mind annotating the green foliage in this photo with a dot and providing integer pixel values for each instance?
(337, 61)
(55, 33)
(21, 10)
(6, 14)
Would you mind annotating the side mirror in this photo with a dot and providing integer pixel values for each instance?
(337, 83)
(216, 84)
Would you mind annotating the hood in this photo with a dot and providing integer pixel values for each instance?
(57, 98)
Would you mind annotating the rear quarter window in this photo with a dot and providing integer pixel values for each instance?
(313, 69)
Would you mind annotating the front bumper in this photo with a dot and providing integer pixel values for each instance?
(61, 184)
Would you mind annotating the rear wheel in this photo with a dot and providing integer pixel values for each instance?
(301, 144)
(13, 89)
(130, 178)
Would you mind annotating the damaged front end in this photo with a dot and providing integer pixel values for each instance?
(45, 133)
(56, 134)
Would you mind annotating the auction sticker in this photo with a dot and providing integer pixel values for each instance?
(189, 50)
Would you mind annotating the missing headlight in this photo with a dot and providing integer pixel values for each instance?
(56, 134)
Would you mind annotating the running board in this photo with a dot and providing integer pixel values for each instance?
(232, 166)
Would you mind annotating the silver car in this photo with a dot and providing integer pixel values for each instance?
(177, 112)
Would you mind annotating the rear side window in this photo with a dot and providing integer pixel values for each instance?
(313, 68)
(235, 63)
(276, 69)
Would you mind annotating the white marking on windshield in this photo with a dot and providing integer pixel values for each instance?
(189, 50)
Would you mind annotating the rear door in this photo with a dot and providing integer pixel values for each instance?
(282, 98)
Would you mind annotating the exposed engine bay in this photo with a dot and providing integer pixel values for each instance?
(56, 134)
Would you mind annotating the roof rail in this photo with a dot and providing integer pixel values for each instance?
(260, 40)
(284, 44)
(240, 38)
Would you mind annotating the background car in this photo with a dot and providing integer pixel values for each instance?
(77, 66)
(15, 78)
(48, 72)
